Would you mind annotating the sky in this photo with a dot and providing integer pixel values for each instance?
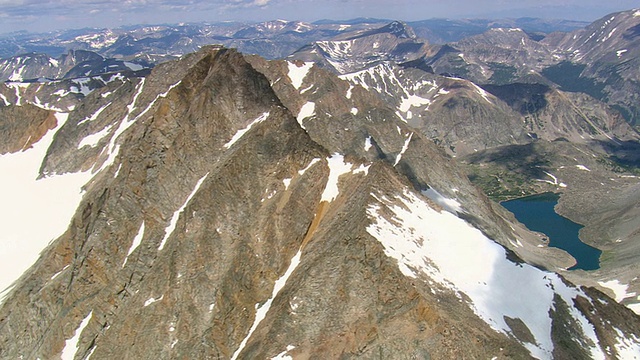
(46, 15)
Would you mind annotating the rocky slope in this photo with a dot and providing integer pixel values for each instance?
(516, 139)
(221, 218)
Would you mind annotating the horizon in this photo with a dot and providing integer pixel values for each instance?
(35, 16)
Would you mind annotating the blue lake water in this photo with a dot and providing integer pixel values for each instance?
(537, 213)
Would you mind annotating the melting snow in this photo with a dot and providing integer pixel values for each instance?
(59, 272)
(174, 219)
(412, 100)
(283, 355)
(71, 345)
(82, 86)
(286, 183)
(422, 240)
(404, 149)
(450, 205)
(93, 139)
(337, 167)
(297, 74)
(6, 101)
(582, 167)
(555, 180)
(152, 300)
(354, 111)
(620, 52)
(95, 115)
(301, 172)
(136, 242)
(261, 311)
(362, 169)
(626, 348)
(482, 92)
(241, 132)
(349, 91)
(619, 289)
(307, 110)
(367, 144)
(33, 211)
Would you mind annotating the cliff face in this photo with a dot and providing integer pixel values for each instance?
(227, 214)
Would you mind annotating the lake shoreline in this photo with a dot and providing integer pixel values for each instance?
(537, 213)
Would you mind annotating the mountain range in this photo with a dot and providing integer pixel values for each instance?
(331, 199)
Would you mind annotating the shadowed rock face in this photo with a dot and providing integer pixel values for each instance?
(23, 126)
(219, 224)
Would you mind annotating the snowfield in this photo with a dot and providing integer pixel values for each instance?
(33, 212)
(422, 240)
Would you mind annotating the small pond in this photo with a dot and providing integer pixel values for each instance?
(537, 213)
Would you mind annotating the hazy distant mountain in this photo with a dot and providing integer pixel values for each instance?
(359, 49)
(442, 31)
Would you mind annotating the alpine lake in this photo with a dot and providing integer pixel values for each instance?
(538, 214)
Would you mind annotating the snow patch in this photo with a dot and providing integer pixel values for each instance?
(59, 272)
(482, 92)
(6, 101)
(136, 242)
(71, 345)
(362, 169)
(93, 139)
(367, 144)
(337, 167)
(283, 355)
(349, 91)
(241, 132)
(413, 101)
(450, 205)
(261, 311)
(174, 219)
(582, 167)
(620, 52)
(404, 149)
(619, 289)
(626, 347)
(298, 73)
(152, 300)
(95, 115)
(307, 110)
(49, 202)
(354, 111)
(301, 172)
(286, 183)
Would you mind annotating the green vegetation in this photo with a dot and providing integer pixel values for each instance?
(568, 76)
(502, 74)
